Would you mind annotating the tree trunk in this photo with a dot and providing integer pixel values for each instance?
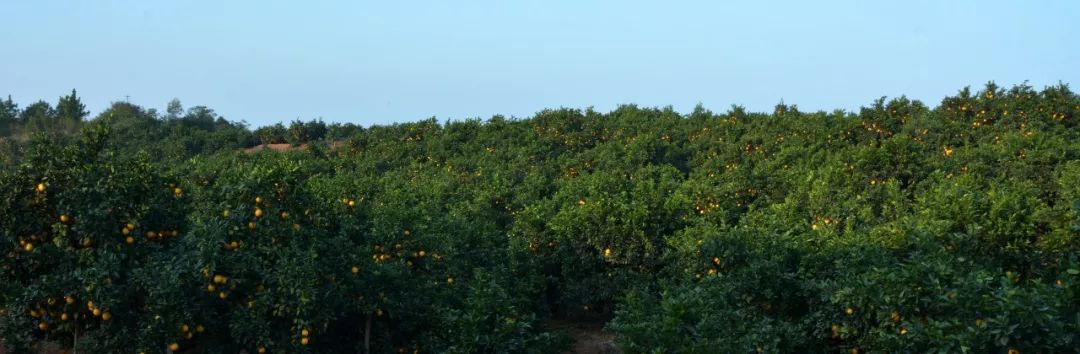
(367, 335)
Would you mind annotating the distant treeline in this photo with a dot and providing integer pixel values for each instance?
(176, 133)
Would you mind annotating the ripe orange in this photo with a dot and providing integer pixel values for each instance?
(199, 328)
(355, 270)
(174, 346)
(304, 332)
(261, 350)
(43, 326)
(258, 213)
(64, 218)
(29, 247)
(303, 341)
(105, 316)
(258, 200)
(41, 188)
(69, 300)
(220, 279)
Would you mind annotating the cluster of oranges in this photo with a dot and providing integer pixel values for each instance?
(186, 332)
(27, 244)
(218, 280)
(63, 310)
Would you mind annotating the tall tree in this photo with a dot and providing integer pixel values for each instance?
(71, 108)
(175, 109)
(271, 134)
(316, 130)
(298, 133)
(38, 116)
(9, 115)
(200, 117)
(70, 112)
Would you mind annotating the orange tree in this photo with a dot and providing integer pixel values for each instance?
(296, 253)
(917, 230)
(897, 228)
(87, 234)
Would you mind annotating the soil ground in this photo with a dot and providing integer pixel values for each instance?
(586, 337)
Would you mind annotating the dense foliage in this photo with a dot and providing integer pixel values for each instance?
(900, 228)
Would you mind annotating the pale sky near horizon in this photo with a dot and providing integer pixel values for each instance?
(392, 61)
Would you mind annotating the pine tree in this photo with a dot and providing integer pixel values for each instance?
(9, 116)
(70, 112)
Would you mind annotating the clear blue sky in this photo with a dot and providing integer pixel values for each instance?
(388, 61)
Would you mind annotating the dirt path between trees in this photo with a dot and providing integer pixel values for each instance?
(586, 337)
